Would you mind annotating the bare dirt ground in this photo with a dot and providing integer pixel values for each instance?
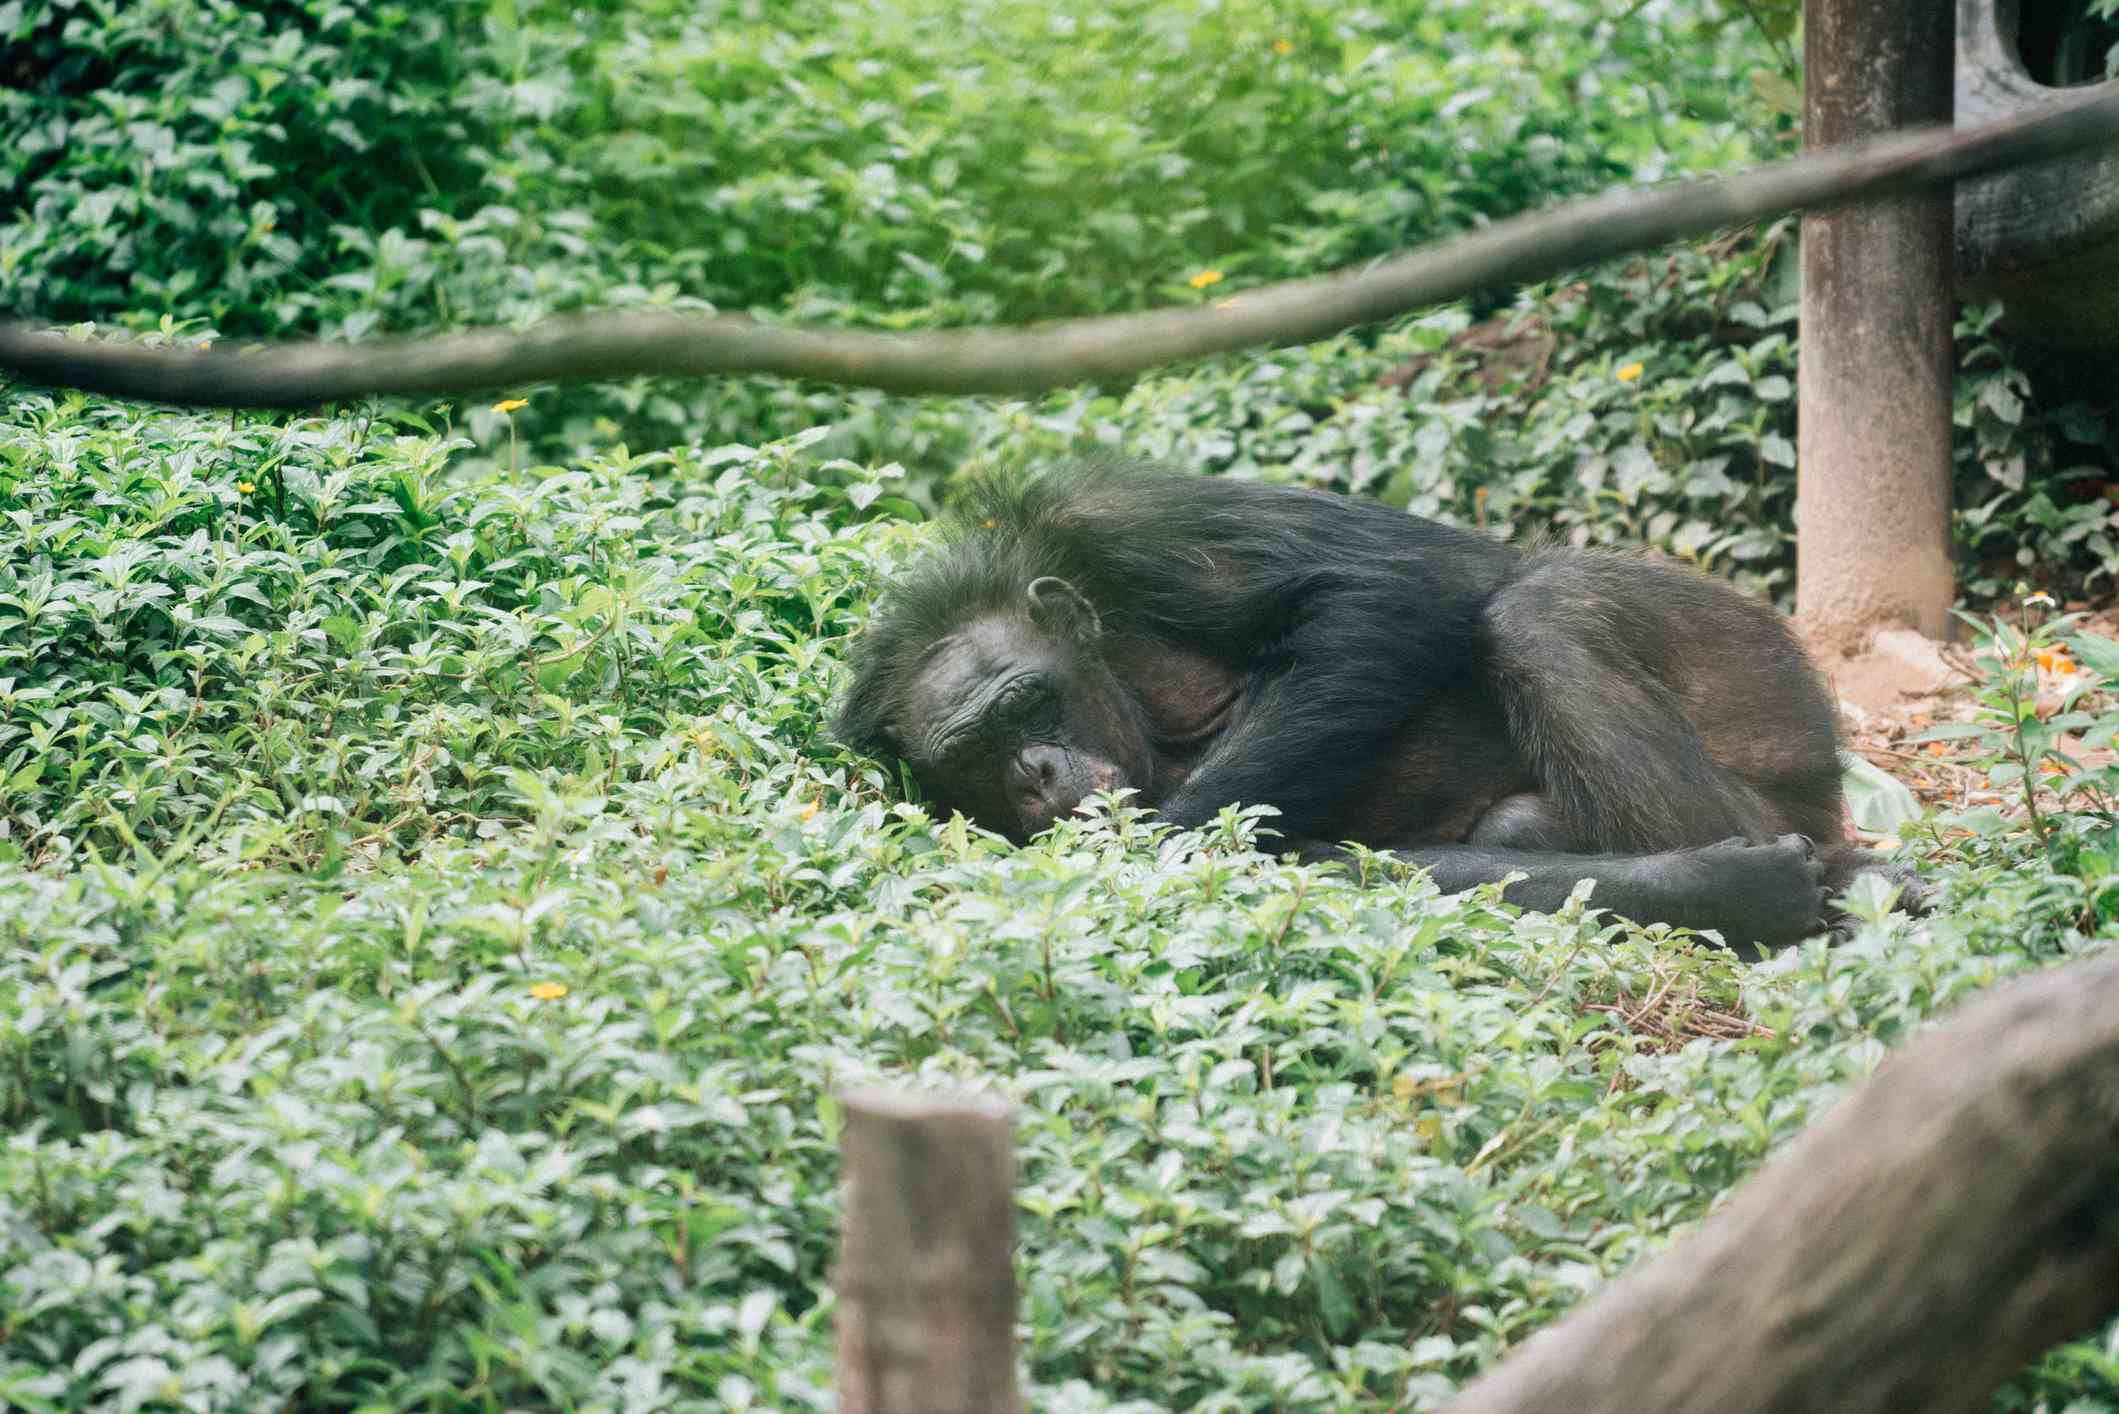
(1905, 684)
(1890, 694)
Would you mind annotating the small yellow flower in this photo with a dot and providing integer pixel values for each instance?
(1205, 278)
(246, 487)
(2055, 661)
(1281, 46)
(1630, 372)
(508, 405)
(989, 524)
(809, 811)
(2040, 600)
(548, 991)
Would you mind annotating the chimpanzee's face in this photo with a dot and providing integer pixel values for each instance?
(1014, 718)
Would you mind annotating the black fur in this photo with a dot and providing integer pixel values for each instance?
(1376, 677)
(1254, 575)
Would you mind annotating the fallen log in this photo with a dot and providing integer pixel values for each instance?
(1950, 1220)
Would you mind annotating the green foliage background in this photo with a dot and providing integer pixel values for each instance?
(432, 922)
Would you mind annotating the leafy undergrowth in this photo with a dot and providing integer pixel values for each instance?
(323, 168)
(433, 929)
(432, 923)
(316, 166)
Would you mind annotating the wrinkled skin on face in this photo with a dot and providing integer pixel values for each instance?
(1015, 718)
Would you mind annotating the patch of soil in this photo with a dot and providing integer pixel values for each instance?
(1904, 684)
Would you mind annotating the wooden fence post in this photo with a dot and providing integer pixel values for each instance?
(1874, 372)
(926, 1285)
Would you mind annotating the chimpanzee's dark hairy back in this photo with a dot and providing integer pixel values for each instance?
(1210, 563)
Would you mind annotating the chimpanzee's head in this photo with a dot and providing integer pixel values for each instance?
(988, 680)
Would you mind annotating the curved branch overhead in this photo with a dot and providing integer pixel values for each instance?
(1031, 359)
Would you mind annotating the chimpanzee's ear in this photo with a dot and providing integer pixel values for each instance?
(1058, 607)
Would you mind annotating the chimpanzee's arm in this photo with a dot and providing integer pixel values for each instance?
(1326, 697)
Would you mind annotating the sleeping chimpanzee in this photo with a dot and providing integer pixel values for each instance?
(1475, 708)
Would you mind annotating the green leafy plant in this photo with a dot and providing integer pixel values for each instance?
(433, 922)
(2043, 720)
(429, 985)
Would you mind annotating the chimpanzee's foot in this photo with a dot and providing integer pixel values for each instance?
(1755, 895)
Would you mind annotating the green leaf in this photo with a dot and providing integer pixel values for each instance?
(1879, 802)
(1998, 398)
(2097, 653)
(1337, 1307)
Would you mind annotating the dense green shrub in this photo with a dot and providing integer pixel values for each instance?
(220, 159)
(347, 167)
(432, 922)
(299, 634)
(441, 954)
(333, 1139)
(995, 159)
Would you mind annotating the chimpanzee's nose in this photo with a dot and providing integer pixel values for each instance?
(1038, 768)
(1049, 781)
(1048, 784)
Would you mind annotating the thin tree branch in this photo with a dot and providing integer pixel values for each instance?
(1030, 359)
